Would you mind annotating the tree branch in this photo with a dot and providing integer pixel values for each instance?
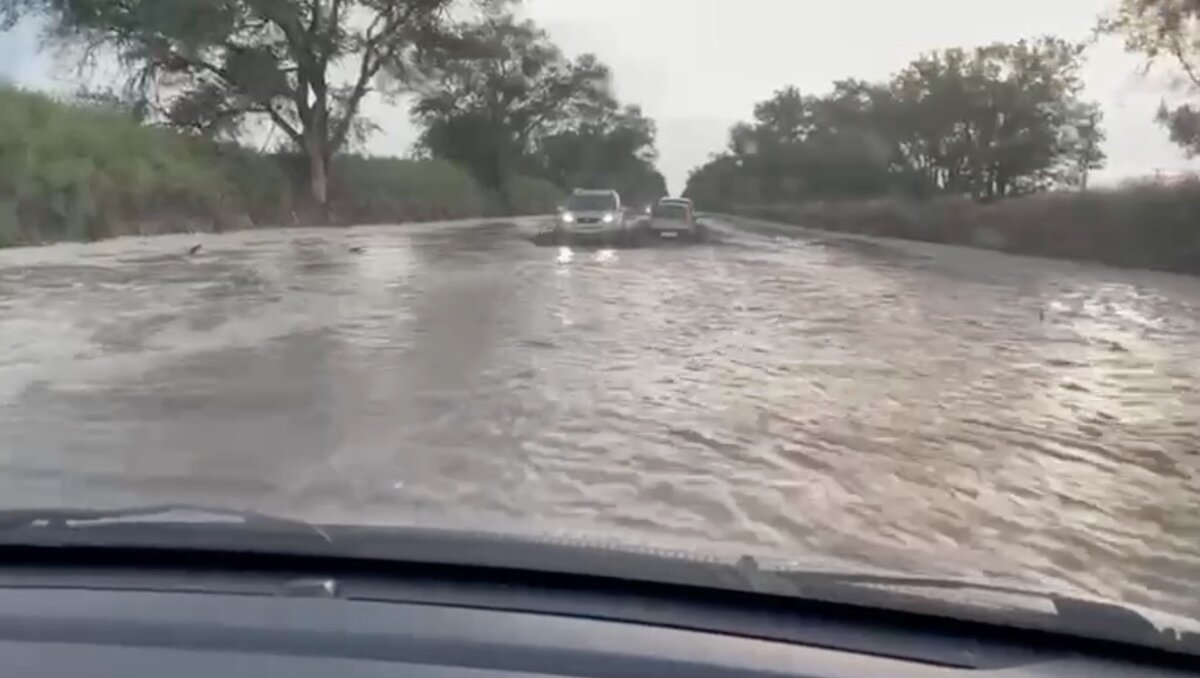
(1176, 48)
(282, 123)
(264, 106)
(369, 67)
(335, 25)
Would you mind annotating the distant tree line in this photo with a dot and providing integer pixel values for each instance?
(988, 123)
(964, 146)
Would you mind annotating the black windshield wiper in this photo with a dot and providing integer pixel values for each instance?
(162, 514)
(1099, 618)
(808, 577)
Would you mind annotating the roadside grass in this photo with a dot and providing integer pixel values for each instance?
(384, 190)
(1139, 224)
(76, 171)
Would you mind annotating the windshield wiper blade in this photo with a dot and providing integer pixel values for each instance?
(170, 514)
(1102, 618)
(832, 578)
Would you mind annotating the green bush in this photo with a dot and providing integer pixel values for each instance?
(75, 171)
(531, 195)
(80, 172)
(261, 190)
(378, 190)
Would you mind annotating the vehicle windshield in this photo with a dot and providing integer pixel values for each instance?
(936, 311)
(591, 202)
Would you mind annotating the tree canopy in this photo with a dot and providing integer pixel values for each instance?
(512, 102)
(990, 122)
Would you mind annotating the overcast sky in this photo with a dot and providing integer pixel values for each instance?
(698, 66)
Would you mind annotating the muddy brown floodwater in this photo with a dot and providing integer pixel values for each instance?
(919, 407)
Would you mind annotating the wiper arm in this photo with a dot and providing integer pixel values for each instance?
(813, 578)
(71, 518)
(1075, 614)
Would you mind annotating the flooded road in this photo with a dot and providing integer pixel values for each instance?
(912, 406)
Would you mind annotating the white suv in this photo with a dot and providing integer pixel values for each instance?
(592, 213)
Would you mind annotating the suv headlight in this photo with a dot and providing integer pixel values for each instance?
(568, 218)
(609, 218)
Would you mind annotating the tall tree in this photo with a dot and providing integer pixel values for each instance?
(784, 118)
(802, 146)
(515, 104)
(612, 149)
(211, 65)
(488, 107)
(1166, 31)
(996, 120)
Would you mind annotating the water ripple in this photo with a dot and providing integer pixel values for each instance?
(912, 406)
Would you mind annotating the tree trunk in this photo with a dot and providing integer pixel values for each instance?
(318, 179)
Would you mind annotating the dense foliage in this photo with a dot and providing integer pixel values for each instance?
(76, 173)
(988, 123)
(513, 104)
(79, 171)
